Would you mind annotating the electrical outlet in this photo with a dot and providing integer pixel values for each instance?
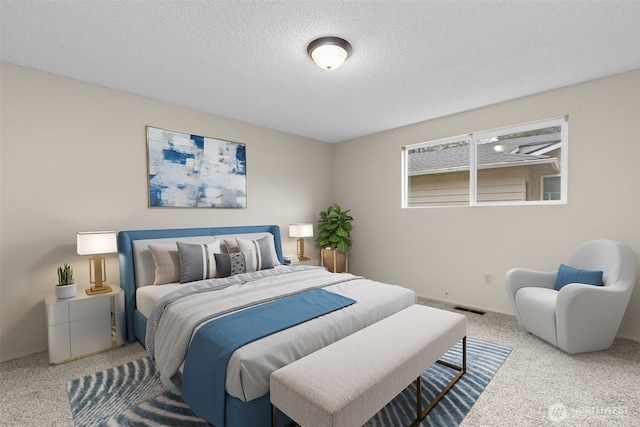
(488, 279)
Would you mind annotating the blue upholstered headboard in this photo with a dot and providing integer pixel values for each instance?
(127, 268)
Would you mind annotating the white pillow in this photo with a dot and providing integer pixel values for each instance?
(263, 252)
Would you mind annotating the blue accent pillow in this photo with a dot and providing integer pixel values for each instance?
(568, 275)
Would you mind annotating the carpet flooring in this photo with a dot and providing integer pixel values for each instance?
(536, 386)
(132, 395)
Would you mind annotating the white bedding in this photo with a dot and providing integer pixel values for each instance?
(148, 296)
(250, 366)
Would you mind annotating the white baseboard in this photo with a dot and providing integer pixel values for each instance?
(20, 354)
(493, 310)
(466, 304)
(629, 337)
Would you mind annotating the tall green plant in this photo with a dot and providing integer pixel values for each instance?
(65, 275)
(334, 228)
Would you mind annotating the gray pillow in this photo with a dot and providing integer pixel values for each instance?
(197, 260)
(231, 264)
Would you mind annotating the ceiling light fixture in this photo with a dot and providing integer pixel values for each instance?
(329, 52)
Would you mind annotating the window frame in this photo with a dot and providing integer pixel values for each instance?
(474, 138)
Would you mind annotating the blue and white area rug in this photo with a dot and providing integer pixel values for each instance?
(132, 394)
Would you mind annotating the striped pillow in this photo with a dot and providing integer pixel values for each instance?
(264, 252)
(197, 261)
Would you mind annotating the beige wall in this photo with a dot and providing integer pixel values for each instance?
(73, 158)
(52, 128)
(444, 253)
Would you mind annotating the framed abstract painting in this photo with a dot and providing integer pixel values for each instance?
(188, 170)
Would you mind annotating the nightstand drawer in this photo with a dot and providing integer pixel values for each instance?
(57, 314)
(90, 307)
(90, 335)
(59, 342)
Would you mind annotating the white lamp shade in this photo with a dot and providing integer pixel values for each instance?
(97, 242)
(300, 230)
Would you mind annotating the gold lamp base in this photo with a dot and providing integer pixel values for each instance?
(102, 289)
(301, 256)
(98, 268)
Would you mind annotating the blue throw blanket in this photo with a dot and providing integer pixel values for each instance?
(203, 379)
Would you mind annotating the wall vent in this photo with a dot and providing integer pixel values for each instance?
(470, 310)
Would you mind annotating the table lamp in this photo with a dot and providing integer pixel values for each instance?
(301, 231)
(97, 243)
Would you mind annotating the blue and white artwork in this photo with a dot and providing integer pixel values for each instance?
(195, 171)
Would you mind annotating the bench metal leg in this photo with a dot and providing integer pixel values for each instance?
(420, 414)
(274, 416)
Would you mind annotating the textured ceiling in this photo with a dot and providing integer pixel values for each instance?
(411, 61)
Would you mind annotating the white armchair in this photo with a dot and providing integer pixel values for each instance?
(578, 318)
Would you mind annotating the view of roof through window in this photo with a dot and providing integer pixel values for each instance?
(510, 165)
(496, 151)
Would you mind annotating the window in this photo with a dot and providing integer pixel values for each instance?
(551, 187)
(525, 164)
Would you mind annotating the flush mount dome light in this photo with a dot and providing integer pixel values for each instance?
(329, 52)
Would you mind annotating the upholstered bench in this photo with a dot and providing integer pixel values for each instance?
(349, 381)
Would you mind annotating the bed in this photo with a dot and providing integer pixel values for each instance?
(168, 317)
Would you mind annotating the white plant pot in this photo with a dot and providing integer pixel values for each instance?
(66, 291)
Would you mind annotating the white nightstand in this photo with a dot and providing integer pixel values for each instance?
(84, 324)
(307, 262)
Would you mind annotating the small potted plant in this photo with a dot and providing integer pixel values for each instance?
(334, 232)
(66, 287)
